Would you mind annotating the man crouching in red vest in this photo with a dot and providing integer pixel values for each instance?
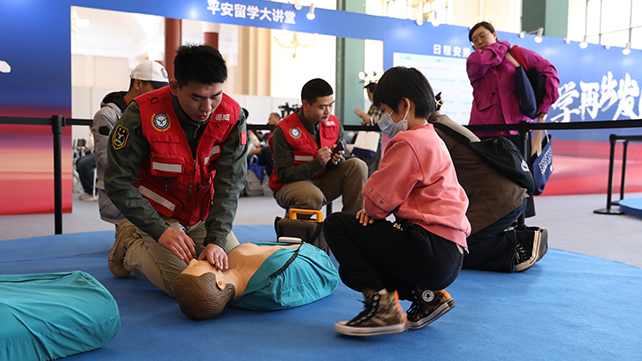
(176, 165)
(306, 173)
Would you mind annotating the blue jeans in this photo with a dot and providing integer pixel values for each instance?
(85, 166)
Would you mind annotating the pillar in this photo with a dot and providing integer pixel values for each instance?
(350, 61)
(552, 15)
(173, 39)
(210, 34)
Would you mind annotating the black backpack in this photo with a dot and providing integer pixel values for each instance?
(500, 153)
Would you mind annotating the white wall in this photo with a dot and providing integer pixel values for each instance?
(289, 73)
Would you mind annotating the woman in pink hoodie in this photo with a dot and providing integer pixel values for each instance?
(421, 252)
(492, 76)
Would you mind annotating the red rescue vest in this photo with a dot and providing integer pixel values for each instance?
(304, 147)
(177, 183)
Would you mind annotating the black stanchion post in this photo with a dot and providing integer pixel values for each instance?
(625, 146)
(57, 122)
(523, 130)
(523, 138)
(609, 187)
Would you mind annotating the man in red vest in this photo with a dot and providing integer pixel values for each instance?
(307, 173)
(176, 166)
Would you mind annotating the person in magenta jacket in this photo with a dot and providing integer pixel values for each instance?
(492, 76)
(421, 252)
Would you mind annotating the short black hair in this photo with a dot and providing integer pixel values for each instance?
(401, 82)
(315, 88)
(199, 63)
(485, 24)
(131, 84)
(371, 87)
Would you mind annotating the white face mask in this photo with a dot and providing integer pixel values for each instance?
(390, 128)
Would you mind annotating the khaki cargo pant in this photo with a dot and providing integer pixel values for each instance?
(149, 259)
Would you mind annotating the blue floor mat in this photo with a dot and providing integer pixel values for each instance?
(567, 307)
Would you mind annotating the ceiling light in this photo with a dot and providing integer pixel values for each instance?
(538, 38)
(311, 15)
(627, 49)
(583, 44)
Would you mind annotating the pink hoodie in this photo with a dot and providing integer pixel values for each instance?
(417, 182)
(493, 79)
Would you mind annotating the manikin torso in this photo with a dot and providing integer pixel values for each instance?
(244, 260)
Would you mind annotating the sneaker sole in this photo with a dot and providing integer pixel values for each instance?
(540, 247)
(343, 328)
(440, 311)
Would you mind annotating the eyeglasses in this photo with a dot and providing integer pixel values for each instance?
(481, 36)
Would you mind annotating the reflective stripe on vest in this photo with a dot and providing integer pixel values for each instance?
(156, 198)
(215, 150)
(166, 167)
(303, 158)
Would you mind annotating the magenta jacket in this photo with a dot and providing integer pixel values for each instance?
(417, 182)
(493, 79)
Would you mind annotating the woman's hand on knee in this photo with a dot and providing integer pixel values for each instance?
(364, 218)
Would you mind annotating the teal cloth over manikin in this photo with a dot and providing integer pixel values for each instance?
(310, 277)
(52, 315)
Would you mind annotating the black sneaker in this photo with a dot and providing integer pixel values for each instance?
(528, 253)
(382, 315)
(428, 306)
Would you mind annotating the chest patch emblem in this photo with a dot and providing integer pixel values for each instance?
(119, 138)
(160, 122)
(295, 132)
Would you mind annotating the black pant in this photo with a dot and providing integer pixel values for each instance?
(390, 255)
(265, 159)
(492, 249)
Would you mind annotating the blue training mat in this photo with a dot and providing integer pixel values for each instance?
(567, 307)
(52, 315)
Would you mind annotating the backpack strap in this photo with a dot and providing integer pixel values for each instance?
(452, 133)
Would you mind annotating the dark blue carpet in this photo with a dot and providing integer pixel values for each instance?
(567, 307)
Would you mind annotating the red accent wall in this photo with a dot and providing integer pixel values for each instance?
(26, 169)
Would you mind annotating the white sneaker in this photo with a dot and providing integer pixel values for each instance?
(87, 197)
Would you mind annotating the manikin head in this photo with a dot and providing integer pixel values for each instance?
(201, 291)
(317, 100)
(199, 72)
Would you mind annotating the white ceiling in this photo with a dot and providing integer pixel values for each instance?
(133, 36)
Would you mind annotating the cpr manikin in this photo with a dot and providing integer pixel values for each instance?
(260, 277)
